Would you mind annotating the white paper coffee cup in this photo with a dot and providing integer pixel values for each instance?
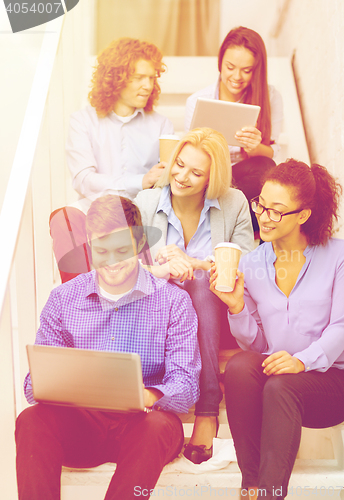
(227, 257)
(167, 145)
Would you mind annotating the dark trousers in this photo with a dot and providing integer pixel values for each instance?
(247, 176)
(213, 332)
(50, 436)
(265, 415)
(71, 249)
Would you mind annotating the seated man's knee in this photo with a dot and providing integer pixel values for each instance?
(162, 422)
(29, 420)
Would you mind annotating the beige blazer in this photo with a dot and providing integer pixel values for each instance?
(231, 223)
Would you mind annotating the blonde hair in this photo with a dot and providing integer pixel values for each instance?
(215, 146)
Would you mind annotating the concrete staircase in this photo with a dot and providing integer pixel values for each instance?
(319, 468)
(313, 477)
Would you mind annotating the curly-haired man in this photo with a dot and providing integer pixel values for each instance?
(112, 145)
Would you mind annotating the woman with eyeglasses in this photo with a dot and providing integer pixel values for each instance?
(286, 312)
(195, 208)
(242, 64)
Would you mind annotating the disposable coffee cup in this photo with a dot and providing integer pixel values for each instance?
(227, 257)
(167, 146)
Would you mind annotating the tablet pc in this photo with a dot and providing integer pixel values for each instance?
(225, 117)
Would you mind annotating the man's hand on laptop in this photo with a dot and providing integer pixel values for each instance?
(151, 396)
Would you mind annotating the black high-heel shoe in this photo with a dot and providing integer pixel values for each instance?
(199, 453)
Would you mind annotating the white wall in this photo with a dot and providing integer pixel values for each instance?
(314, 30)
(258, 15)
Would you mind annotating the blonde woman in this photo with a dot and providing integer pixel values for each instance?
(195, 208)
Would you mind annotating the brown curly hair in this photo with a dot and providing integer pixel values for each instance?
(313, 188)
(116, 64)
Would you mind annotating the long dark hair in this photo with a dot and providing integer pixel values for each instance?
(257, 92)
(314, 188)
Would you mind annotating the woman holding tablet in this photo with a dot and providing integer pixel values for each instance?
(195, 208)
(286, 312)
(242, 64)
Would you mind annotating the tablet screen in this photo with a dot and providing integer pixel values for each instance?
(225, 117)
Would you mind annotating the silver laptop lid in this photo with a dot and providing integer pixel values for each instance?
(85, 378)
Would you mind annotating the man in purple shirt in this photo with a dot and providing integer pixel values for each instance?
(116, 307)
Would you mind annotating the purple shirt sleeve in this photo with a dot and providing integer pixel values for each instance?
(182, 360)
(155, 320)
(309, 323)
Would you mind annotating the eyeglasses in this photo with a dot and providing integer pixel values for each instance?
(274, 215)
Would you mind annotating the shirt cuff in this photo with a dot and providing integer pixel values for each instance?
(133, 184)
(313, 358)
(164, 402)
(241, 313)
(170, 401)
(276, 148)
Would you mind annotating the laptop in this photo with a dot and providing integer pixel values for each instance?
(101, 380)
(225, 117)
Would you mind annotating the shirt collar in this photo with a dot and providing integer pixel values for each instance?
(211, 203)
(165, 204)
(143, 286)
(136, 112)
(92, 285)
(271, 256)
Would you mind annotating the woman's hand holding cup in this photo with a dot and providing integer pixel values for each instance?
(235, 299)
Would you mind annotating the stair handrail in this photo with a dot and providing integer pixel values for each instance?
(18, 183)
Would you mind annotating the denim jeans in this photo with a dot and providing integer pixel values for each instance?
(266, 414)
(213, 328)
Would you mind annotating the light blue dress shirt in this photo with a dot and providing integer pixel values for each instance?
(309, 324)
(110, 155)
(199, 246)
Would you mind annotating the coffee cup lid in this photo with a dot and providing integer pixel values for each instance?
(228, 245)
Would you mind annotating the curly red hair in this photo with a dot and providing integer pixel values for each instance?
(116, 64)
